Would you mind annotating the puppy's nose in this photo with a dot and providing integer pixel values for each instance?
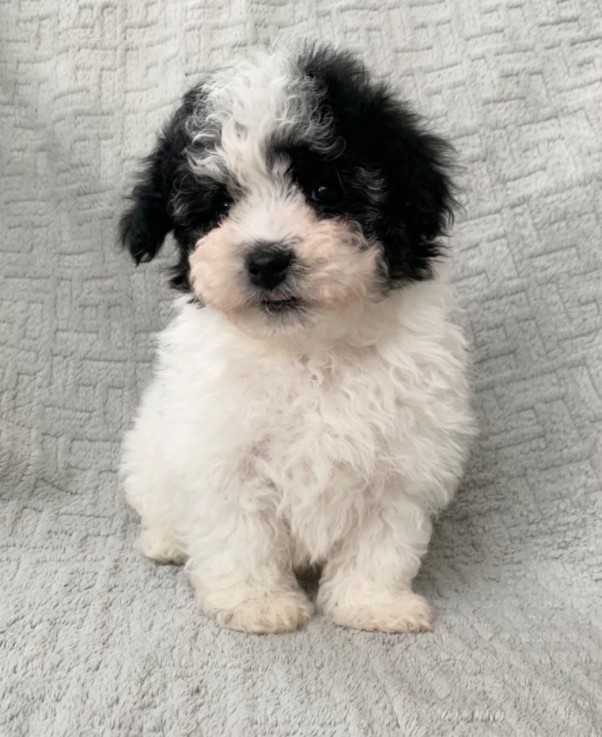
(268, 265)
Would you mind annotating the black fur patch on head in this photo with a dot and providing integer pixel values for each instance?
(384, 150)
(381, 170)
(164, 180)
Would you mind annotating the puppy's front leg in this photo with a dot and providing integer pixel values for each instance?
(367, 583)
(241, 571)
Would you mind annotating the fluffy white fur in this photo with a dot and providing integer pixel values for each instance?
(250, 458)
(271, 442)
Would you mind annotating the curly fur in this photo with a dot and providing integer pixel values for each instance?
(325, 419)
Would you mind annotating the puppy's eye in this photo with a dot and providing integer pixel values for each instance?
(327, 195)
(222, 203)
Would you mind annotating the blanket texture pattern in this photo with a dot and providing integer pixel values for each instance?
(95, 640)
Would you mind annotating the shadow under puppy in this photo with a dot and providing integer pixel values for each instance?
(310, 402)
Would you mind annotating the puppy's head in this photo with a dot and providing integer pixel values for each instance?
(294, 187)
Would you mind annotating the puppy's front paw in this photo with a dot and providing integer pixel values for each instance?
(402, 612)
(268, 612)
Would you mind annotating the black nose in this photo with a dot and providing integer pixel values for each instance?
(268, 265)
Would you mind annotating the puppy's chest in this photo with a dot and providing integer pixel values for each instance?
(319, 424)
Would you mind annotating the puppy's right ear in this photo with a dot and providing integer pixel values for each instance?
(144, 226)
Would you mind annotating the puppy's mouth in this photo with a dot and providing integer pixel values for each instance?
(277, 306)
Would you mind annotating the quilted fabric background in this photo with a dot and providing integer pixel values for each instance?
(94, 640)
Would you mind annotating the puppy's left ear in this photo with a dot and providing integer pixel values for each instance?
(420, 199)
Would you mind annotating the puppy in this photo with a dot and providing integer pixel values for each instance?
(310, 403)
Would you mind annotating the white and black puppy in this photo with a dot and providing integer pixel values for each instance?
(310, 402)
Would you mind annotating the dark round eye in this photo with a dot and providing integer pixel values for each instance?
(327, 195)
(223, 202)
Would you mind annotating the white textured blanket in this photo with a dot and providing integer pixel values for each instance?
(95, 640)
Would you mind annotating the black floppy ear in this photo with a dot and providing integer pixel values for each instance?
(145, 224)
(420, 198)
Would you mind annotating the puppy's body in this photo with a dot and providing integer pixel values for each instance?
(320, 419)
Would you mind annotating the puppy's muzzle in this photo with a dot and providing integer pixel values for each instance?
(268, 265)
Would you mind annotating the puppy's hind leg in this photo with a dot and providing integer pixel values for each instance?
(148, 486)
(157, 539)
(159, 544)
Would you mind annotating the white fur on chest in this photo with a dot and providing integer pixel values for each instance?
(316, 433)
